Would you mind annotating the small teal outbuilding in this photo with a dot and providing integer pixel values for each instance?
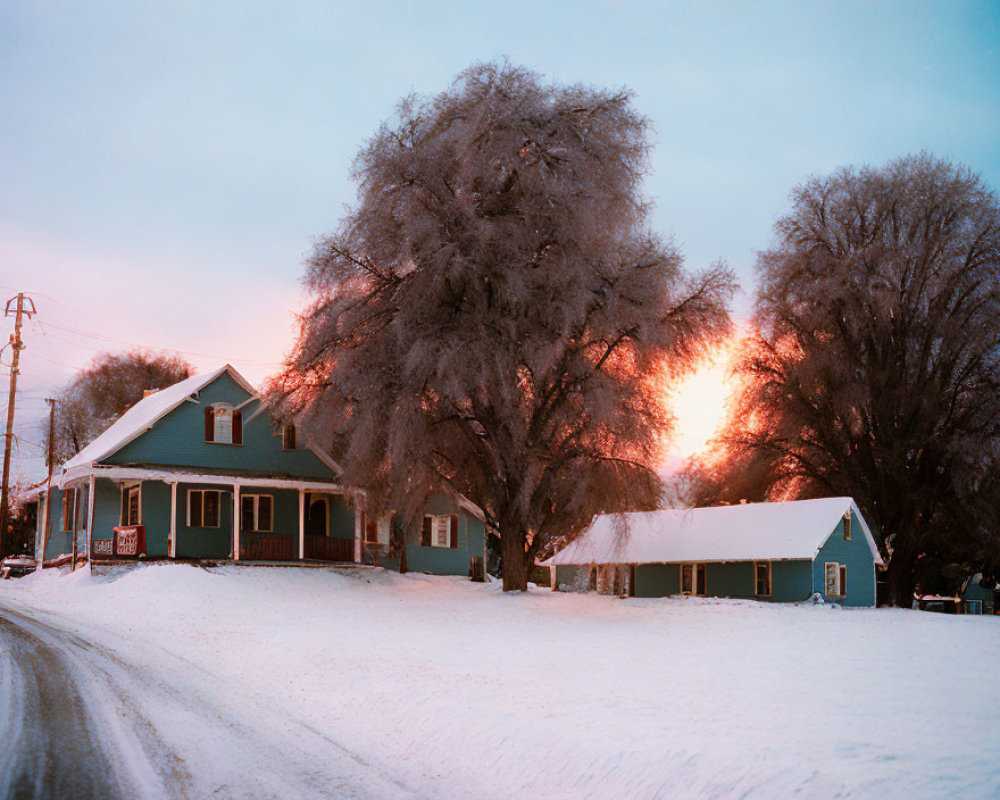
(777, 552)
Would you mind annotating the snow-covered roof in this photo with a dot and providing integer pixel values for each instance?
(746, 532)
(144, 414)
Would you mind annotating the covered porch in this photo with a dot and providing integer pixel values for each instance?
(195, 516)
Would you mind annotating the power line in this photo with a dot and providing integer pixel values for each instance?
(101, 337)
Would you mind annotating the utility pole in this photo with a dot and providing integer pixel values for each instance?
(50, 459)
(17, 346)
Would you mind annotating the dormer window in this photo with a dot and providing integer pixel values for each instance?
(288, 437)
(223, 424)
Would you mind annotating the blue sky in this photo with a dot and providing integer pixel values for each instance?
(165, 165)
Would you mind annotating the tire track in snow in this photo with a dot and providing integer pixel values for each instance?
(177, 731)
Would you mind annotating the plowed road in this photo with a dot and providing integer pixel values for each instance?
(78, 720)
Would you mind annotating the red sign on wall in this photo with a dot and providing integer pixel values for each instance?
(130, 541)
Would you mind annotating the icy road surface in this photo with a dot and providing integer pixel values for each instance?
(76, 722)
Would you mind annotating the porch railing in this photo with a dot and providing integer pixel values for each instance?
(328, 548)
(268, 546)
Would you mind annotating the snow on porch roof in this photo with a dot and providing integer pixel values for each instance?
(754, 531)
(144, 414)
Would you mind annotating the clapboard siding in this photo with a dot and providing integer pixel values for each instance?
(178, 440)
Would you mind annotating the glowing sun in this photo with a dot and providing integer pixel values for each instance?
(699, 403)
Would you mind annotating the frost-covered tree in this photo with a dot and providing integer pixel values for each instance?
(873, 368)
(494, 318)
(104, 390)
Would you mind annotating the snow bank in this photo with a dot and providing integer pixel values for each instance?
(461, 691)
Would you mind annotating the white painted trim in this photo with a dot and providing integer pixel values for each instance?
(43, 499)
(91, 499)
(302, 524)
(169, 476)
(256, 511)
(358, 535)
(236, 521)
(173, 519)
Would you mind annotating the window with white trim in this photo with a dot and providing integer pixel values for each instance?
(131, 511)
(847, 526)
(223, 424)
(256, 513)
(835, 575)
(440, 530)
(377, 531)
(203, 508)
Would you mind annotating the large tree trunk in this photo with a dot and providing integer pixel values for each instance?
(516, 562)
(900, 579)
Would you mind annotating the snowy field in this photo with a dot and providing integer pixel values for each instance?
(457, 690)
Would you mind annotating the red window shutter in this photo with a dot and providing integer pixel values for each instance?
(209, 424)
(237, 426)
(453, 531)
(425, 532)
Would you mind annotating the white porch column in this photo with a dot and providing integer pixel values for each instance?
(173, 519)
(43, 513)
(236, 522)
(91, 497)
(358, 533)
(302, 524)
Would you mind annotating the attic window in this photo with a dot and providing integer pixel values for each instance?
(288, 437)
(223, 424)
(847, 526)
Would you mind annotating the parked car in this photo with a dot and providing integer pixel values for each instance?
(16, 566)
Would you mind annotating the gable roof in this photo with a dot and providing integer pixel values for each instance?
(753, 531)
(146, 413)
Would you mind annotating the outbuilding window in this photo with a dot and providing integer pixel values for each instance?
(440, 530)
(687, 578)
(203, 508)
(223, 424)
(762, 572)
(700, 582)
(256, 513)
(835, 579)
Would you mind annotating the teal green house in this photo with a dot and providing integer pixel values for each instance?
(200, 470)
(775, 552)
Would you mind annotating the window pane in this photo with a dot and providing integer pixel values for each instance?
(686, 578)
(133, 506)
(211, 509)
(264, 513)
(224, 424)
(441, 531)
(832, 578)
(194, 502)
(701, 579)
(247, 521)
